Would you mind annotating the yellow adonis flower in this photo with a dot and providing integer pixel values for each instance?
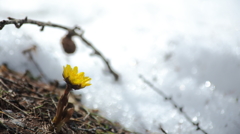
(75, 79)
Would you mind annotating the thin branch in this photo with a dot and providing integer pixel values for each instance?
(167, 98)
(19, 22)
(163, 130)
(96, 52)
(29, 51)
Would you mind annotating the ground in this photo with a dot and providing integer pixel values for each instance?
(28, 105)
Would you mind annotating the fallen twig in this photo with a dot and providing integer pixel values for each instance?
(7, 115)
(19, 22)
(14, 106)
(24, 87)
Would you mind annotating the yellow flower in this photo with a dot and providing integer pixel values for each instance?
(75, 79)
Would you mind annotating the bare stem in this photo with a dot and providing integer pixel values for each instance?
(19, 22)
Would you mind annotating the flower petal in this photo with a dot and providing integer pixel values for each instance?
(74, 78)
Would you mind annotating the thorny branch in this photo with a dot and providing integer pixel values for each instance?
(167, 98)
(19, 22)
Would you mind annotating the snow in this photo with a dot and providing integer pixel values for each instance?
(187, 49)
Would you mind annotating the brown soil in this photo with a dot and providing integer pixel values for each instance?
(28, 106)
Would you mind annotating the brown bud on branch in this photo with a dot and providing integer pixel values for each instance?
(68, 44)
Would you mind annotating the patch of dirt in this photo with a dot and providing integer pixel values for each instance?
(28, 106)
